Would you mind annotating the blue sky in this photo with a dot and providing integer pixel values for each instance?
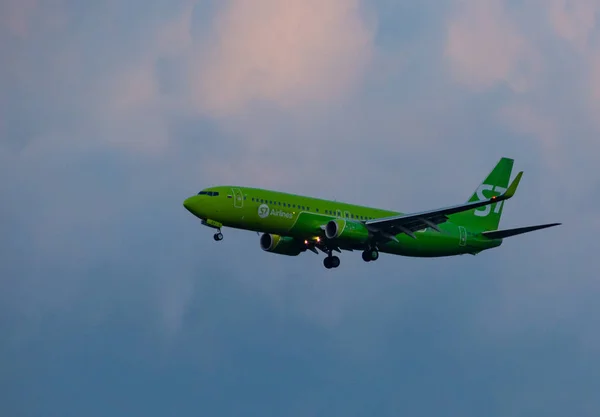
(115, 301)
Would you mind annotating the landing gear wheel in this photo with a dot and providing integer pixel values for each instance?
(370, 255)
(218, 236)
(335, 261)
(331, 262)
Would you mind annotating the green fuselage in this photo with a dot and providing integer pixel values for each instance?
(302, 218)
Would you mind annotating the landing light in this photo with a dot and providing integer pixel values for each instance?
(306, 242)
(318, 239)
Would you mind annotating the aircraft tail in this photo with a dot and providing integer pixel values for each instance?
(495, 184)
(501, 234)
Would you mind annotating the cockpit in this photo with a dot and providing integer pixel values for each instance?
(209, 193)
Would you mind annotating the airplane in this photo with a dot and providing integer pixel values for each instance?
(292, 224)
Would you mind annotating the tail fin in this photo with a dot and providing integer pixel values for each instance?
(496, 183)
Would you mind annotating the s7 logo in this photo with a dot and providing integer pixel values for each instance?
(263, 211)
(485, 210)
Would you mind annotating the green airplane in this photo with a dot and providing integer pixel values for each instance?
(292, 224)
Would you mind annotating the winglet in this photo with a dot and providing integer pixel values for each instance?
(512, 188)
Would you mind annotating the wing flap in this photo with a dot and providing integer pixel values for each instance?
(501, 234)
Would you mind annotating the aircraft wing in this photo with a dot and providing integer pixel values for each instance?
(409, 223)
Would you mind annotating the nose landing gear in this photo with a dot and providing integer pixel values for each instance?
(218, 236)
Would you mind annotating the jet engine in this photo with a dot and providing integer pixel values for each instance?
(352, 232)
(281, 245)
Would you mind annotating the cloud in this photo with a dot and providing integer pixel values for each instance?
(113, 121)
(22, 19)
(574, 20)
(290, 53)
(485, 47)
(526, 119)
(576, 23)
(16, 16)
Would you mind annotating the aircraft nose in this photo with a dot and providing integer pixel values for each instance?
(188, 203)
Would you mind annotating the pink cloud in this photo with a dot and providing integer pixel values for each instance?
(17, 16)
(523, 118)
(289, 53)
(485, 47)
(574, 20)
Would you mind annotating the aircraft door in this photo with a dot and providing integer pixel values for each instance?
(463, 236)
(238, 198)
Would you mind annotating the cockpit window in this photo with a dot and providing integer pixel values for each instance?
(209, 193)
(202, 193)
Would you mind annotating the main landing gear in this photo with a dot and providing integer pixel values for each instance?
(331, 262)
(218, 236)
(370, 255)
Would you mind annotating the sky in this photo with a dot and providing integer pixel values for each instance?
(114, 300)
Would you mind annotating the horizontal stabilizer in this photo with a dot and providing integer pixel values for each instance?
(500, 234)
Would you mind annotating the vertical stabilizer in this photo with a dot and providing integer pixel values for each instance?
(495, 184)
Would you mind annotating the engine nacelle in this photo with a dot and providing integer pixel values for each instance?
(281, 245)
(349, 231)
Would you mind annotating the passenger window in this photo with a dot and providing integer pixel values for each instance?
(317, 210)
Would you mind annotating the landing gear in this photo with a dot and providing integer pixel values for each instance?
(370, 255)
(218, 236)
(331, 262)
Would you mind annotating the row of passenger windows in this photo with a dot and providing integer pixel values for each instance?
(209, 193)
(306, 208)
